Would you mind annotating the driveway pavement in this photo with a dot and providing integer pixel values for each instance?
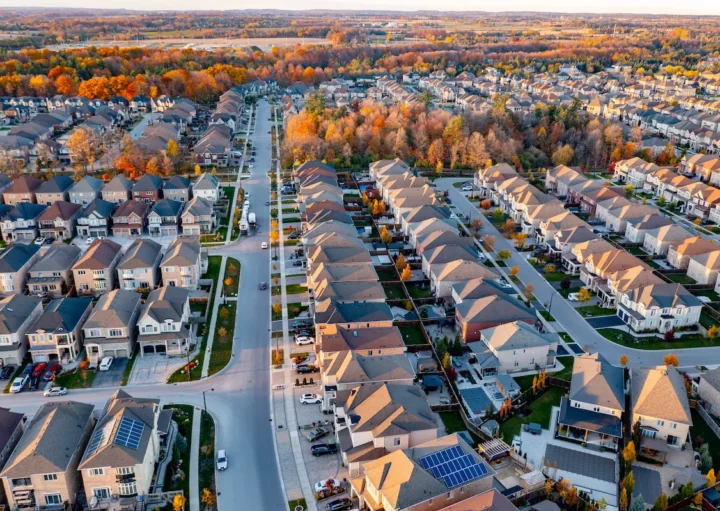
(113, 376)
(604, 321)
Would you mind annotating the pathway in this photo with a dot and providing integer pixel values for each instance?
(194, 497)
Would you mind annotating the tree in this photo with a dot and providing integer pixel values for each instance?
(198, 170)
(628, 483)
(584, 295)
(601, 504)
(476, 224)
(83, 147)
(277, 308)
(661, 503)
(504, 255)
(528, 292)
(519, 239)
(563, 156)
(514, 271)
(385, 235)
(549, 268)
(208, 498)
(406, 274)
(565, 283)
(624, 360)
(713, 332)
(178, 502)
(710, 477)
(671, 360)
(378, 208)
(509, 226)
(486, 204)
(669, 336)
(498, 214)
(661, 203)
(629, 454)
(489, 242)
(446, 361)
(637, 503)
(623, 500)
(697, 500)
(629, 191)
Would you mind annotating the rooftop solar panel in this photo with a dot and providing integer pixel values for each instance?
(453, 467)
(129, 433)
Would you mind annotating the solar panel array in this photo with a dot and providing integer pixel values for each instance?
(100, 437)
(129, 433)
(453, 467)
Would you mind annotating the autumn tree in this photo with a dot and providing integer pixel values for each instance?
(514, 271)
(504, 255)
(661, 503)
(563, 156)
(584, 295)
(624, 360)
(528, 292)
(509, 226)
(400, 263)
(486, 205)
(178, 502)
(406, 274)
(519, 239)
(489, 242)
(713, 332)
(385, 235)
(711, 480)
(671, 360)
(82, 145)
(208, 498)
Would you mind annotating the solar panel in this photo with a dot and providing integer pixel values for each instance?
(100, 437)
(129, 433)
(453, 467)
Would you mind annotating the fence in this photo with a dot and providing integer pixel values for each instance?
(712, 424)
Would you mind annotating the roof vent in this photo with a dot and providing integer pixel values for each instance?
(355, 333)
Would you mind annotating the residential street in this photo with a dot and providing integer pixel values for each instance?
(563, 312)
(238, 397)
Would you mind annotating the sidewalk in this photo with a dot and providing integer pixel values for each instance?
(194, 497)
(213, 319)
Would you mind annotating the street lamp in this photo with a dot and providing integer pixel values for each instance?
(555, 292)
(205, 403)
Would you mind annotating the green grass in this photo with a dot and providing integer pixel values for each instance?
(394, 293)
(183, 416)
(387, 274)
(707, 321)
(589, 311)
(206, 465)
(566, 337)
(555, 276)
(539, 412)
(76, 380)
(197, 306)
(412, 334)
(700, 428)
(453, 423)
(418, 292)
(565, 292)
(292, 504)
(525, 382)
(295, 309)
(222, 346)
(547, 316)
(232, 271)
(291, 219)
(290, 211)
(652, 264)
(636, 251)
(656, 342)
(680, 278)
(709, 293)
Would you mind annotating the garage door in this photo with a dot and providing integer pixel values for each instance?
(121, 354)
(148, 349)
(168, 232)
(160, 349)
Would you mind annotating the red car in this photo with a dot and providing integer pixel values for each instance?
(38, 370)
(53, 370)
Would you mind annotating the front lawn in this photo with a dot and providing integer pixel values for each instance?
(78, 379)
(412, 334)
(708, 293)
(547, 316)
(539, 412)
(295, 309)
(589, 311)
(656, 342)
(555, 276)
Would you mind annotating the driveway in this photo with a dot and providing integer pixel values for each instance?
(113, 376)
(604, 322)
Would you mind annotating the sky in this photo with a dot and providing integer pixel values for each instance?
(693, 7)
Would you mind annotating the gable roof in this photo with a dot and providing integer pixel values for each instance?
(60, 209)
(119, 183)
(24, 184)
(25, 211)
(88, 184)
(148, 183)
(60, 257)
(167, 207)
(165, 303)
(56, 184)
(338, 338)
(659, 392)
(182, 252)
(114, 309)
(101, 208)
(15, 310)
(331, 311)
(595, 381)
(16, 256)
(516, 335)
(99, 256)
(141, 254)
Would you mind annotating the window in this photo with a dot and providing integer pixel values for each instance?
(95, 332)
(101, 493)
(125, 471)
(660, 422)
(5, 340)
(96, 472)
(396, 441)
(53, 498)
(81, 272)
(673, 425)
(50, 477)
(115, 333)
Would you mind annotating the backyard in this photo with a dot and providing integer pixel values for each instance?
(540, 411)
(412, 334)
(525, 382)
(701, 429)
(394, 292)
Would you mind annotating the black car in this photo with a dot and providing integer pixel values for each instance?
(297, 263)
(339, 505)
(6, 372)
(263, 286)
(323, 449)
(301, 324)
(34, 383)
(293, 235)
(305, 369)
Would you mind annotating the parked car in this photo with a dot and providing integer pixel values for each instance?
(316, 434)
(263, 286)
(301, 340)
(222, 461)
(297, 263)
(267, 202)
(106, 363)
(339, 505)
(293, 235)
(7, 372)
(305, 369)
(89, 241)
(264, 245)
(467, 187)
(18, 384)
(52, 371)
(51, 391)
(327, 484)
(38, 370)
(310, 399)
(323, 449)
(301, 323)
(39, 240)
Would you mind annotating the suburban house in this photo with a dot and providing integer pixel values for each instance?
(95, 272)
(660, 307)
(164, 219)
(147, 189)
(56, 336)
(22, 189)
(660, 405)
(12, 426)
(637, 228)
(86, 190)
(139, 267)
(357, 315)
(119, 462)
(42, 471)
(679, 253)
(658, 241)
(15, 261)
(21, 222)
(52, 273)
(53, 190)
(427, 477)
(207, 187)
(129, 218)
(444, 276)
(474, 316)
(514, 347)
(58, 221)
(163, 322)
(17, 314)
(368, 291)
(372, 421)
(111, 328)
(592, 411)
(177, 188)
(351, 272)
(363, 341)
(704, 268)
(184, 264)
(198, 217)
(118, 190)
(709, 391)
(95, 220)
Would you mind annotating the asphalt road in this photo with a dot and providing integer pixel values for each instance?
(238, 397)
(563, 312)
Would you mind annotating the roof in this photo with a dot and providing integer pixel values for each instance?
(664, 296)
(100, 208)
(56, 184)
(16, 256)
(113, 310)
(491, 500)
(60, 257)
(165, 303)
(350, 367)
(595, 381)
(496, 309)
(9, 422)
(337, 338)
(88, 184)
(659, 392)
(206, 182)
(167, 207)
(182, 252)
(24, 184)
(60, 209)
(349, 291)
(119, 183)
(127, 208)
(581, 462)
(50, 440)
(177, 183)
(344, 255)
(479, 288)
(516, 335)
(459, 270)
(197, 206)
(712, 377)
(99, 256)
(331, 311)
(142, 253)
(356, 272)
(602, 423)
(15, 310)
(148, 183)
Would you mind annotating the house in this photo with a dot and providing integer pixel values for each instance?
(21, 222)
(95, 272)
(163, 323)
(17, 314)
(438, 256)
(22, 189)
(58, 221)
(129, 218)
(658, 241)
(709, 391)
(515, 346)
(339, 255)
(164, 219)
(119, 462)
(363, 341)
(592, 411)
(207, 187)
(12, 426)
(351, 272)
(617, 219)
(147, 189)
(637, 228)
(15, 261)
(679, 253)
(704, 268)
(357, 315)
(214, 147)
(198, 217)
(86, 190)
(660, 405)
(42, 470)
(118, 190)
(95, 220)
(53, 190)
(444, 276)
(52, 273)
(139, 267)
(177, 188)
(343, 292)
(426, 477)
(474, 316)
(184, 263)
(661, 307)
(56, 336)
(372, 421)
(111, 328)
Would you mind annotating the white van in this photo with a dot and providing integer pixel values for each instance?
(106, 363)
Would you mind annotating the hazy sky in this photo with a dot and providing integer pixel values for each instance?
(695, 7)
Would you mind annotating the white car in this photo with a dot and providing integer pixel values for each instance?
(264, 245)
(310, 399)
(304, 339)
(573, 297)
(327, 484)
(89, 241)
(503, 284)
(222, 461)
(18, 384)
(54, 391)
(39, 240)
(467, 188)
(106, 363)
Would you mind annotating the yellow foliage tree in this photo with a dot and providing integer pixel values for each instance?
(406, 274)
(178, 502)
